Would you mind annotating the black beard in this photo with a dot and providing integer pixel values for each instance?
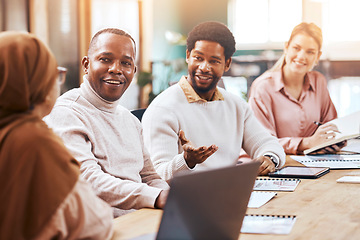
(203, 90)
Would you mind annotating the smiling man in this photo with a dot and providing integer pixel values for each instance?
(104, 136)
(217, 122)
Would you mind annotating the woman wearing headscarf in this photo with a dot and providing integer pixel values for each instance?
(41, 196)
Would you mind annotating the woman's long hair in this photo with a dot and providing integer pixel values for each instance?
(303, 28)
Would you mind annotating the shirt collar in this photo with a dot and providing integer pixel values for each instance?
(192, 96)
(278, 80)
(309, 83)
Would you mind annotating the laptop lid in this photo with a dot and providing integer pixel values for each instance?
(208, 204)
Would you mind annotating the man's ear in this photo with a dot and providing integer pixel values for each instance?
(187, 56)
(85, 64)
(227, 64)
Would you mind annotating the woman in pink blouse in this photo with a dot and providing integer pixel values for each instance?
(291, 100)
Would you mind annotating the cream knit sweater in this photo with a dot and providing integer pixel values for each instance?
(229, 124)
(107, 140)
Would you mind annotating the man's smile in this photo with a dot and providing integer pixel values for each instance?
(114, 81)
(203, 78)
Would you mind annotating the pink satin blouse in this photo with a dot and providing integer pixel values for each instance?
(285, 117)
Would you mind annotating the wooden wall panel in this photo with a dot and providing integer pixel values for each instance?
(38, 19)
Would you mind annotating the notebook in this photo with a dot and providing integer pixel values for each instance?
(349, 127)
(332, 161)
(268, 224)
(276, 184)
(208, 204)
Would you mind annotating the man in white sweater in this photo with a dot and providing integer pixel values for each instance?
(218, 123)
(104, 136)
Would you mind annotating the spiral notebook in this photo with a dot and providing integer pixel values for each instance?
(276, 184)
(255, 224)
(268, 224)
(333, 161)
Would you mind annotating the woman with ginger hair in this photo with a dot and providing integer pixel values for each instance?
(291, 100)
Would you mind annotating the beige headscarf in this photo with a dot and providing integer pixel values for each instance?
(36, 170)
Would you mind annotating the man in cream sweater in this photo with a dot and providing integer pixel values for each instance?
(104, 136)
(218, 123)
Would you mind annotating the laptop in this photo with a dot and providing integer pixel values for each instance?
(207, 204)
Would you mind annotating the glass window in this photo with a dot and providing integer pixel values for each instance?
(345, 94)
(284, 15)
(123, 14)
(264, 21)
(250, 21)
(340, 19)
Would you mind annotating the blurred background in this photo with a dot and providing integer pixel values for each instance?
(160, 27)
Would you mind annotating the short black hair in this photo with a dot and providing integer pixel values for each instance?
(109, 30)
(215, 32)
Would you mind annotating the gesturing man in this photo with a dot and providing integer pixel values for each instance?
(217, 122)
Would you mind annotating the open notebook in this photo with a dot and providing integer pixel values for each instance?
(349, 127)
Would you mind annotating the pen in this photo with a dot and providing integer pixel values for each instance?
(317, 123)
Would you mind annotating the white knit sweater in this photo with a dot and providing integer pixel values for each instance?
(229, 124)
(107, 140)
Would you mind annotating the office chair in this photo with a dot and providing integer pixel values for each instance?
(138, 113)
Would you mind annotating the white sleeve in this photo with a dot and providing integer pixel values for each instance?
(258, 141)
(160, 131)
(120, 193)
